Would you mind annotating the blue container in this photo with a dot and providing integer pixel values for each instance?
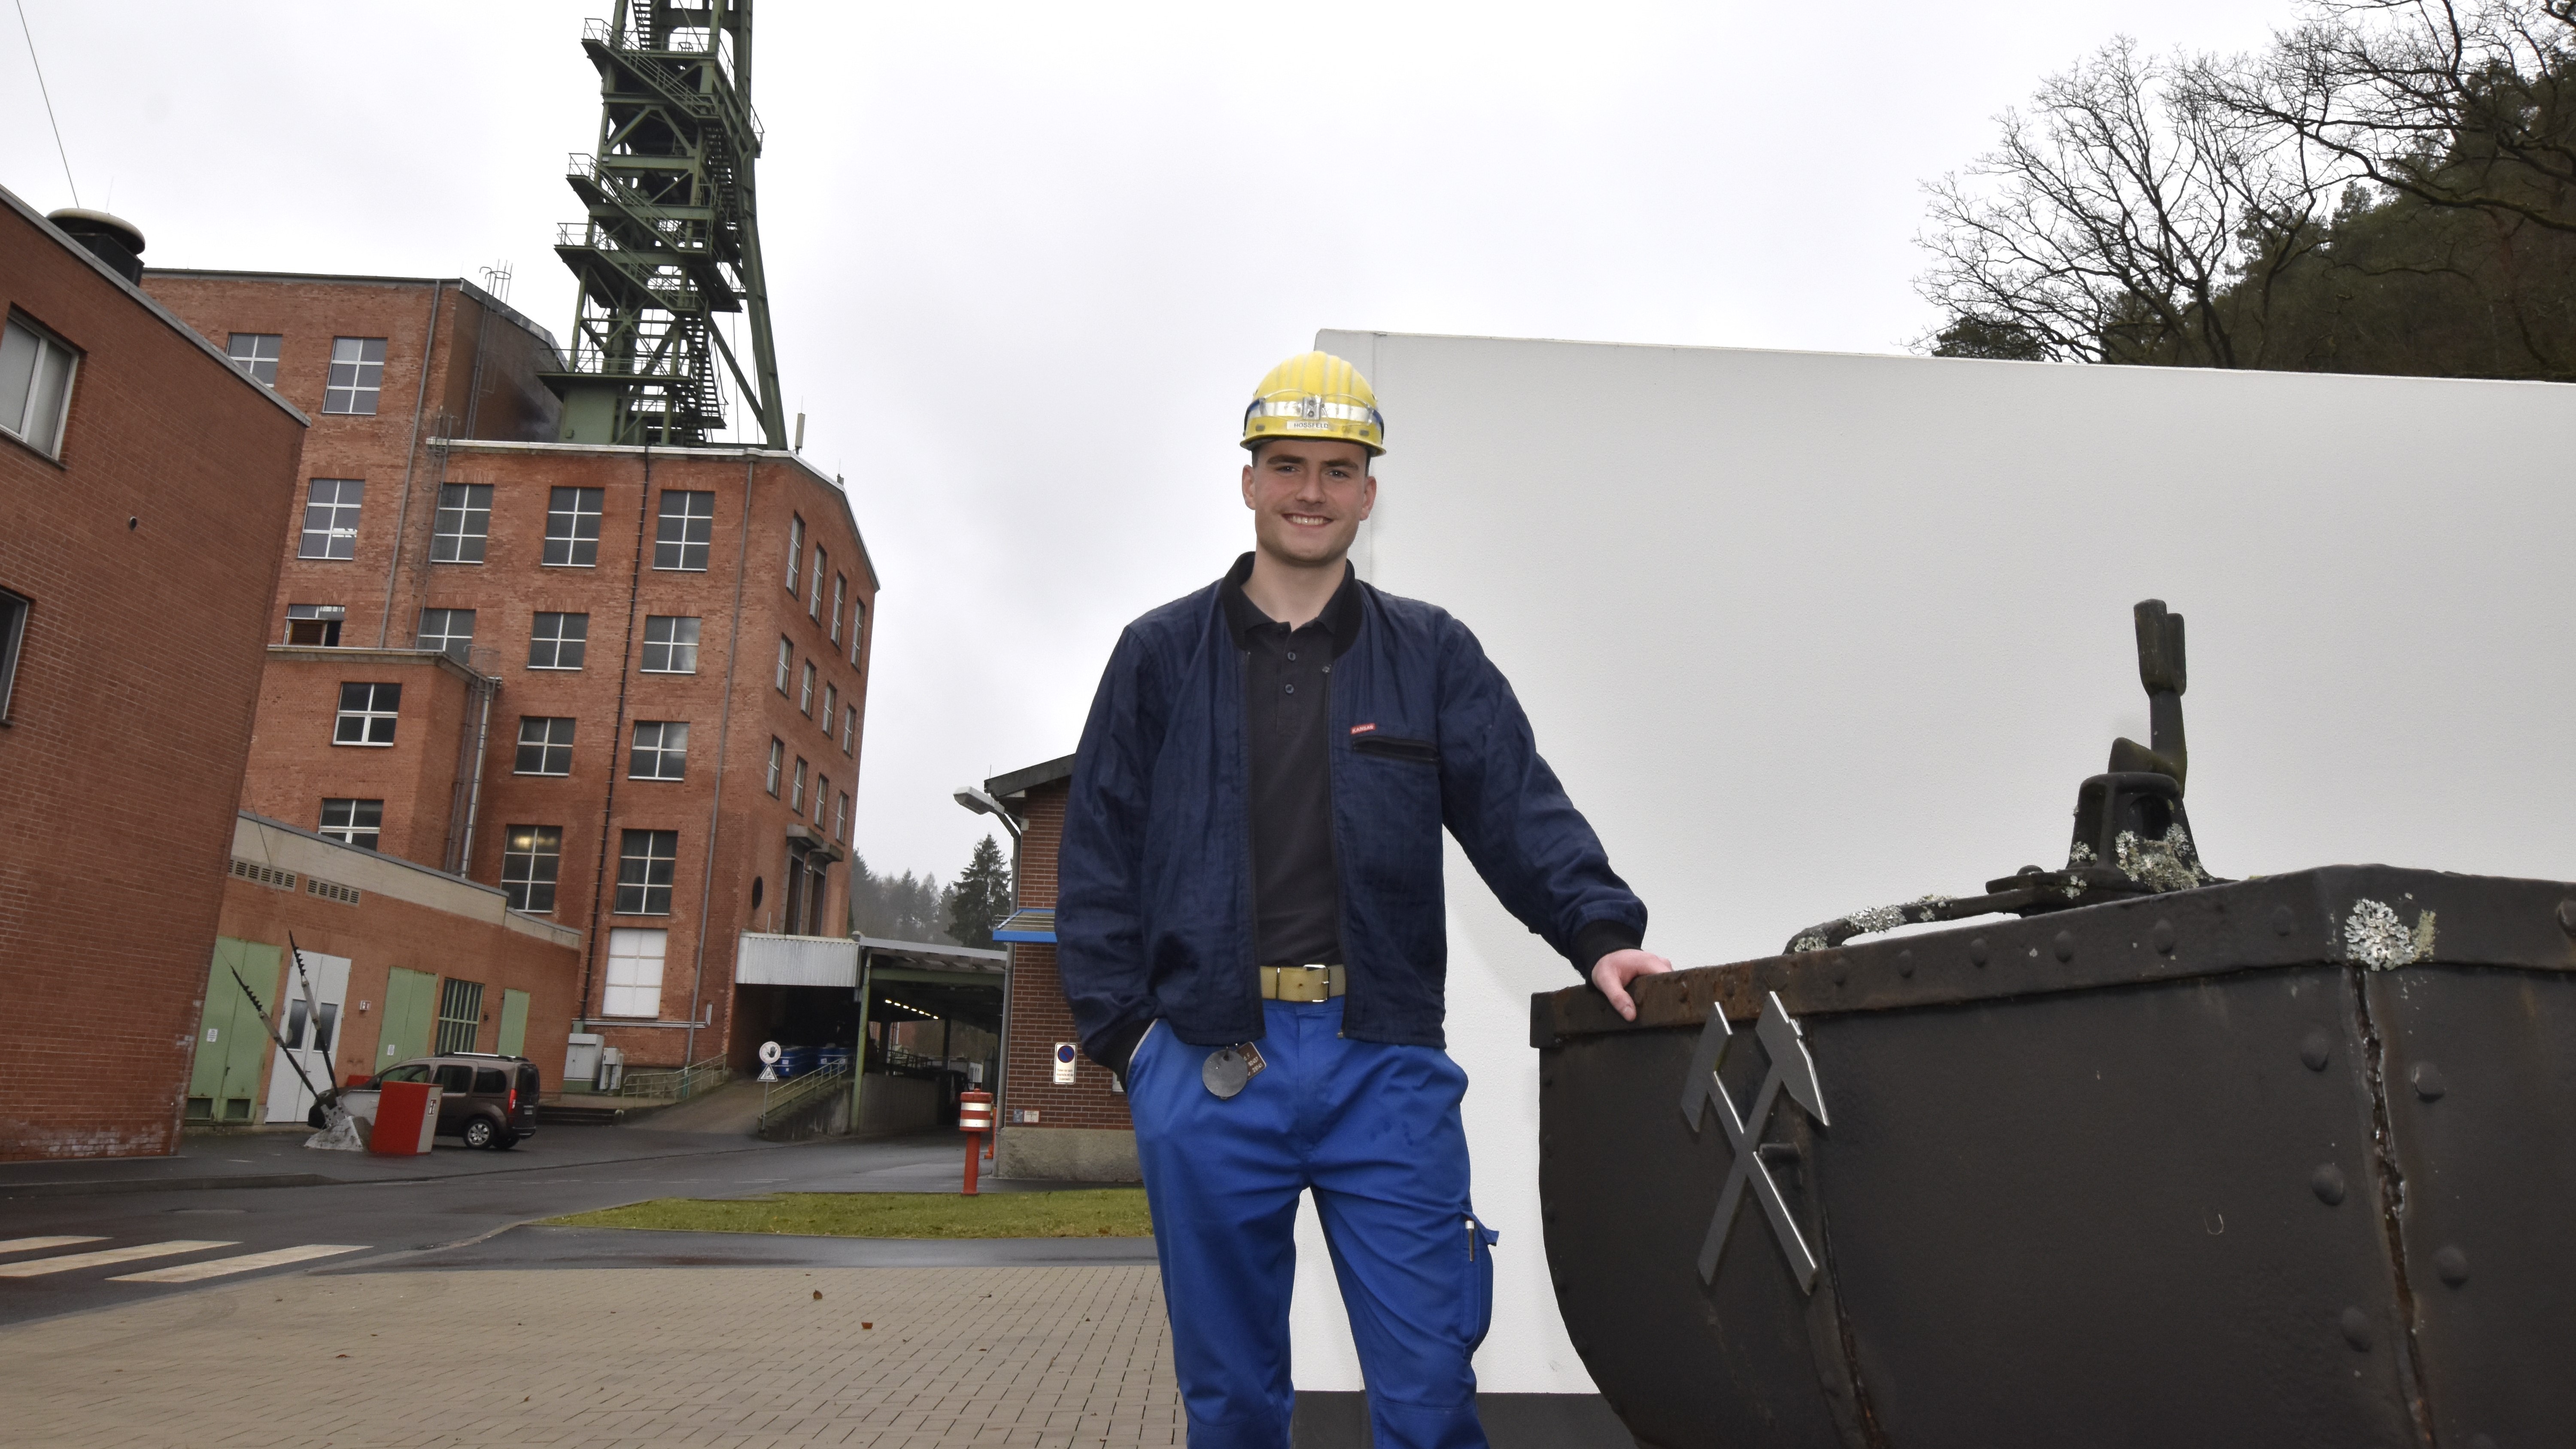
(796, 1061)
(831, 1057)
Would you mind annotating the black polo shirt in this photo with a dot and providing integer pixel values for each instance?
(1287, 674)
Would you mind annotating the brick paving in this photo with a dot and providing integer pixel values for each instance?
(731, 1358)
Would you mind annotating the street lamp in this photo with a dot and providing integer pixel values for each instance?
(983, 804)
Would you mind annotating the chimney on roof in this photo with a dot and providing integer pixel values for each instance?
(112, 239)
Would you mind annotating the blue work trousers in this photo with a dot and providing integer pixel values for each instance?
(1374, 1131)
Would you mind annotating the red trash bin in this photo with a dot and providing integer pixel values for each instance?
(406, 1118)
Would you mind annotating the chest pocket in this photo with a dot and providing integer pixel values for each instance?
(1396, 747)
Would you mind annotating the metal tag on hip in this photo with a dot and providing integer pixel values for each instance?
(1227, 1069)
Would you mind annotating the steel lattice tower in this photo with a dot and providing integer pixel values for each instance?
(671, 238)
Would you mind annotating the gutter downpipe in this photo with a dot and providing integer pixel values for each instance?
(724, 738)
(474, 792)
(411, 458)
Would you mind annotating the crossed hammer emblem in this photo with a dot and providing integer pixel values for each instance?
(1793, 1071)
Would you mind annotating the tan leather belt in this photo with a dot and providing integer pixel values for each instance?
(1300, 983)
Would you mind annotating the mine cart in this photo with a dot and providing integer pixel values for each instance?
(2125, 1156)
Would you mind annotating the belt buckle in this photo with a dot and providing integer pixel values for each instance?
(1312, 984)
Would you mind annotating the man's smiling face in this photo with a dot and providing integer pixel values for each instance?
(1307, 499)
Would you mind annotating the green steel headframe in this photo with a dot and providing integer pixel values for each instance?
(671, 238)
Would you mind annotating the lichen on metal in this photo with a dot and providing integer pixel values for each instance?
(2168, 864)
(2377, 939)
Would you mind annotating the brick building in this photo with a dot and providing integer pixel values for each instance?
(1051, 1127)
(399, 960)
(624, 685)
(145, 486)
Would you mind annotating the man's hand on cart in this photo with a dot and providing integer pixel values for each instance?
(1613, 972)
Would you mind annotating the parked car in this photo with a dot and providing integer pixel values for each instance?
(486, 1099)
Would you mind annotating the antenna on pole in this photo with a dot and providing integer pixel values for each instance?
(671, 237)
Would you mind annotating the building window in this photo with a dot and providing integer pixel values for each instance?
(687, 528)
(670, 644)
(36, 370)
(796, 798)
(556, 641)
(357, 375)
(634, 973)
(831, 707)
(795, 548)
(315, 624)
(367, 714)
(822, 796)
(13, 635)
(777, 756)
(858, 627)
(331, 518)
(841, 818)
(529, 864)
(464, 522)
(460, 1015)
(353, 822)
(449, 631)
(849, 726)
(572, 528)
(822, 561)
(255, 353)
(840, 591)
(545, 745)
(786, 661)
(661, 750)
(805, 692)
(646, 863)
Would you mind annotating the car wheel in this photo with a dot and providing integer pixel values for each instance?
(478, 1132)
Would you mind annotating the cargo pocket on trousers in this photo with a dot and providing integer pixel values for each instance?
(1478, 1300)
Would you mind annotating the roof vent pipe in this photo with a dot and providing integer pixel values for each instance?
(112, 239)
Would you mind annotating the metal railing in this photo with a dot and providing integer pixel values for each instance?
(779, 1099)
(678, 1085)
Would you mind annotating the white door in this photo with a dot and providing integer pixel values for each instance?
(309, 1026)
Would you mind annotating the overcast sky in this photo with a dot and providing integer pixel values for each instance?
(1027, 261)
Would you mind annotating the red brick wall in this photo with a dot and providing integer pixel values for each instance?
(124, 744)
(294, 764)
(1039, 1016)
(382, 932)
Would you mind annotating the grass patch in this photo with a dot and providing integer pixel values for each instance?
(1087, 1213)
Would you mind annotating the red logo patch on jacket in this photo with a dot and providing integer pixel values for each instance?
(1362, 729)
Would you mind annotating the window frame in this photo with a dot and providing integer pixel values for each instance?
(559, 639)
(15, 609)
(805, 691)
(786, 660)
(849, 727)
(250, 365)
(341, 501)
(368, 715)
(796, 794)
(858, 628)
(467, 510)
(795, 550)
(546, 745)
(520, 892)
(458, 647)
(346, 831)
(625, 971)
(841, 819)
(822, 561)
(673, 644)
(831, 707)
(573, 542)
(777, 763)
(662, 750)
(651, 857)
(840, 595)
(328, 624)
(359, 382)
(664, 518)
(46, 343)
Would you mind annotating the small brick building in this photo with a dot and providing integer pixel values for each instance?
(1050, 1128)
(145, 488)
(398, 959)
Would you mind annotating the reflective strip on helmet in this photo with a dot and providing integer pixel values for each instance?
(1314, 408)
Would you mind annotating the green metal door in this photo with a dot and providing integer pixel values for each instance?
(514, 1023)
(232, 1040)
(411, 1008)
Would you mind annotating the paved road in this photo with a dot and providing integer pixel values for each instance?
(230, 1208)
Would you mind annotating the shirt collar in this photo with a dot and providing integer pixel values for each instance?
(1341, 616)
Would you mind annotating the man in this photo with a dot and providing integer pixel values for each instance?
(1250, 931)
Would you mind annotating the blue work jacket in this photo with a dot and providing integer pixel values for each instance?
(1154, 910)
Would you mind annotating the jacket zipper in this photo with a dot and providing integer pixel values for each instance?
(1243, 793)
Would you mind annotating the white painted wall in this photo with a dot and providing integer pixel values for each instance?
(1805, 633)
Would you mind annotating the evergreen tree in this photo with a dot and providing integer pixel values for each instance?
(981, 897)
(895, 908)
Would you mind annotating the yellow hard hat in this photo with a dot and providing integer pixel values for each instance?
(1315, 395)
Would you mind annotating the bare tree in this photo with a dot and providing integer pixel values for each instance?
(2470, 107)
(2114, 220)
